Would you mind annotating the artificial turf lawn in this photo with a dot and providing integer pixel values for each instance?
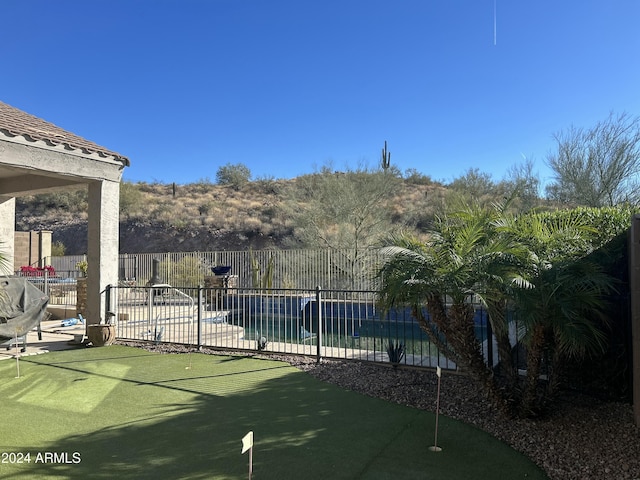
(120, 412)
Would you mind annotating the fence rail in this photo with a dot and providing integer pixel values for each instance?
(314, 322)
(332, 268)
(332, 323)
(273, 297)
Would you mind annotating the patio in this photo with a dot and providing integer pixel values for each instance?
(37, 156)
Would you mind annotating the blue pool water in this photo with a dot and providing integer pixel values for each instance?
(289, 318)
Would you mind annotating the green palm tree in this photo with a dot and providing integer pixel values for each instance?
(563, 307)
(500, 271)
(533, 265)
(463, 258)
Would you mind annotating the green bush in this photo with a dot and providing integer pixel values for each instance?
(414, 177)
(236, 175)
(186, 272)
(130, 198)
(57, 249)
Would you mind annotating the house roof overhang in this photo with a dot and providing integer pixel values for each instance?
(38, 156)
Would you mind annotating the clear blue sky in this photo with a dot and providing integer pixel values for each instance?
(182, 87)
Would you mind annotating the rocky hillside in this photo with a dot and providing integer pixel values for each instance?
(202, 216)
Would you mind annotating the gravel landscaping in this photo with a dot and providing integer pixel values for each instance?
(584, 439)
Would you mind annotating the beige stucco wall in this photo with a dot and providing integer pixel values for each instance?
(7, 226)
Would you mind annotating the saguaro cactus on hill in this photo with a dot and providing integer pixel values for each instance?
(385, 162)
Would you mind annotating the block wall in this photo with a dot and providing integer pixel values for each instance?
(31, 248)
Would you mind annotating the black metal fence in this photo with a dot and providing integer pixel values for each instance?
(342, 324)
(332, 323)
(61, 287)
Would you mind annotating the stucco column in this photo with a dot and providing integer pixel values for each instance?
(7, 233)
(102, 248)
(44, 247)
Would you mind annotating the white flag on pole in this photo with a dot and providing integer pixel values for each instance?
(438, 371)
(247, 442)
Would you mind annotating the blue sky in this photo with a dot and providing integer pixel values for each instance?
(182, 87)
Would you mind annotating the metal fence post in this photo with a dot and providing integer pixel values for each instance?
(319, 333)
(107, 304)
(489, 342)
(46, 282)
(200, 317)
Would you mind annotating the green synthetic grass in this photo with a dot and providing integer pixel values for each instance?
(124, 413)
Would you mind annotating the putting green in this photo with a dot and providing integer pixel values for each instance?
(127, 413)
(56, 394)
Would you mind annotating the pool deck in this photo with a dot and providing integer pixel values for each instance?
(54, 338)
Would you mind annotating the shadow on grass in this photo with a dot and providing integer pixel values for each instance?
(170, 416)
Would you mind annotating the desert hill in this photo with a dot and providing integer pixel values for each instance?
(202, 216)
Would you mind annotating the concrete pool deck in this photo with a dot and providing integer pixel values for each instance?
(54, 338)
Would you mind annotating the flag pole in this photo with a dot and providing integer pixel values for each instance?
(247, 444)
(17, 355)
(435, 447)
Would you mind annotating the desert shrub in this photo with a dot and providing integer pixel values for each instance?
(71, 201)
(130, 198)
(267, 185)
(205, 208)
(57, 249)
(147, 187)
(236, 175)
(185, 272)
(203, 185)
(414, 177)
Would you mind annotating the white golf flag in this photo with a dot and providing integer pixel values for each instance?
(247, 442)
(438, 371)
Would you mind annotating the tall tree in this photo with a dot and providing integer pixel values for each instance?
(524, 184)
(476, 186)
(342, 210)
(598, 166)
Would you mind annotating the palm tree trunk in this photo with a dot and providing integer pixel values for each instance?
(554, 374)
(500, 326)
(457, 325)
(534, 359)
(433, 329)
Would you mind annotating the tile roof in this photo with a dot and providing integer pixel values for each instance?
(15, 122)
